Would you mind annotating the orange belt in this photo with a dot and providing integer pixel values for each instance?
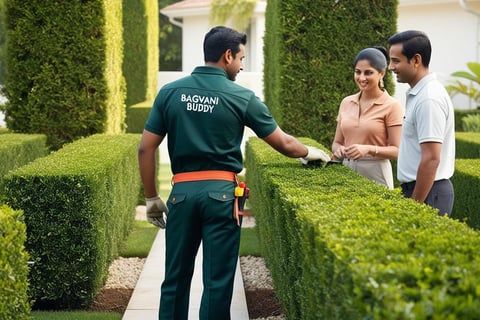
(210, 175)
(204, 175)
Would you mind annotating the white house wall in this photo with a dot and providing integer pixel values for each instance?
(194, 29)
(453, 33)
(255, 53)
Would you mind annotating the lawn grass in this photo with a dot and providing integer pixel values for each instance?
(164, 181)
(249, 242)
(139, 241)
(75, 315)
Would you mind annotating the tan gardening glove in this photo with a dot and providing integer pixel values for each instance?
(156, 211)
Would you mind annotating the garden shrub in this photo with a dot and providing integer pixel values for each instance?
(14, 302)
(18, 149)
(467, 145)
(79, 205)
(141, 51)
(466, 182)
(137, 116)
(64, 77)
(340, 246)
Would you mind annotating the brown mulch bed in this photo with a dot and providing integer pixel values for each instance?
(112, 300)
(261, 303)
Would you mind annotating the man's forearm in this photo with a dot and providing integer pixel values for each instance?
(425, 179)
(147, 167)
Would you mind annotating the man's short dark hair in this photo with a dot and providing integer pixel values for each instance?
(219, 39)
(413, 42)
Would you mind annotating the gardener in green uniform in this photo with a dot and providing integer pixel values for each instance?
(204, 115)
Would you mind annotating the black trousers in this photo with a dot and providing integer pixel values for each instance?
(441, 195)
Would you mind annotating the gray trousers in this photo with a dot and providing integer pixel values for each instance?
(441, 195)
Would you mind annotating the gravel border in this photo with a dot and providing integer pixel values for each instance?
(124, 273)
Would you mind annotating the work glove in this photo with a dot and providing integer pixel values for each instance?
(156, 212)
(315, 155)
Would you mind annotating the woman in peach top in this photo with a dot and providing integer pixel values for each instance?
(369, 123)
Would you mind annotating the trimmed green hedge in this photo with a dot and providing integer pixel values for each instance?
(137, 116)
(14, 302)
(19, 149)
(467, 145)
(64, 76)
(141, 51)
(342, 247)
(466, 181)
(3, 41)
(79, 204)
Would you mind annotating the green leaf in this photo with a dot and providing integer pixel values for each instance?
(475, 68)
(466, 75)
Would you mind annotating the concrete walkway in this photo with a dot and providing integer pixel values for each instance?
(145, 299)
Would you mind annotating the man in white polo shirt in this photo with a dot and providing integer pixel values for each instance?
(426, 156)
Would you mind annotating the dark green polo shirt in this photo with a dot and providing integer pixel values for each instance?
(204, 115)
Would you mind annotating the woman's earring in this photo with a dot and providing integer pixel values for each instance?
(381, 84)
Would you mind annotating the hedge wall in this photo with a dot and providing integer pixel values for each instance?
(2, 41)
(137, 115)
(466, 179)
(141, 51)
(466, 182)
(18, 149)
(14, 302)
(79, 205)
(64, 68)
(309, 51)
(342, 247)
(467, 145)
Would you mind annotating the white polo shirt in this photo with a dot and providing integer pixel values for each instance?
(429, 117)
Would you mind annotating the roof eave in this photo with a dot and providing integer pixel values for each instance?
(181, 13)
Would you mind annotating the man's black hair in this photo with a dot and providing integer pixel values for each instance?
(413, 42)
(219, 39)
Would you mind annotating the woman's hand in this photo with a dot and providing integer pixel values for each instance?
(356, 151)
(339, 153)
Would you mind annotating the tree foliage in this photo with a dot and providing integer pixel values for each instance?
(236, 13)
(170, 42)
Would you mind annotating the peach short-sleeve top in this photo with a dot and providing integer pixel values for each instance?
(370, 125)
